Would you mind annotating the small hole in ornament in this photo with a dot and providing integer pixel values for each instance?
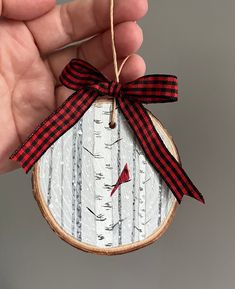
(112, 125)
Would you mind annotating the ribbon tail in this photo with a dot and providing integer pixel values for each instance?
(159, 156)
(53, 127)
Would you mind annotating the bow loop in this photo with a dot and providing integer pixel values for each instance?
(79, 74)
(157, 88)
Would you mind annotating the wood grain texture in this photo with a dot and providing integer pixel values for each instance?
(73, 193)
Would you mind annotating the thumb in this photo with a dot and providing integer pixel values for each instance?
(25, 9)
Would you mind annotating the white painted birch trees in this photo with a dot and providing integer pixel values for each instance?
(77, 175)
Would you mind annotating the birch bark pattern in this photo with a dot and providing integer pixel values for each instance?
(79, 180)
(103, 176)
(76, 175)
(142, 196)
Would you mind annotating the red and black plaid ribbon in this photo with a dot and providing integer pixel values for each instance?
(89, 83)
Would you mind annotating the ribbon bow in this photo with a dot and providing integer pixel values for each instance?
(89, 83)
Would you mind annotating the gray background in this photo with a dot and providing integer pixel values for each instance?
(195, 40)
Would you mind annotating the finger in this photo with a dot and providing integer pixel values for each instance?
(98, 50)
(80, 19)
(132, 69)
(25, 10)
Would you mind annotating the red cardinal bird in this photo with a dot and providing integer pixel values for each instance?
(124, 178)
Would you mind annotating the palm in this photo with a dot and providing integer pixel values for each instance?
(29, 80)
(27, 87)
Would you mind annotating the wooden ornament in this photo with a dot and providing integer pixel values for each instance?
(73, 180)
(99, 189)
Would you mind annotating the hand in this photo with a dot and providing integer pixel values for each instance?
(33, 51)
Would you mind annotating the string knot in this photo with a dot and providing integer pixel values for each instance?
(114, 89)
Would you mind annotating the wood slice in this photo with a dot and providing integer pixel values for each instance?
(72, 183)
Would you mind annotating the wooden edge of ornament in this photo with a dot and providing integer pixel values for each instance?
(109, 251)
